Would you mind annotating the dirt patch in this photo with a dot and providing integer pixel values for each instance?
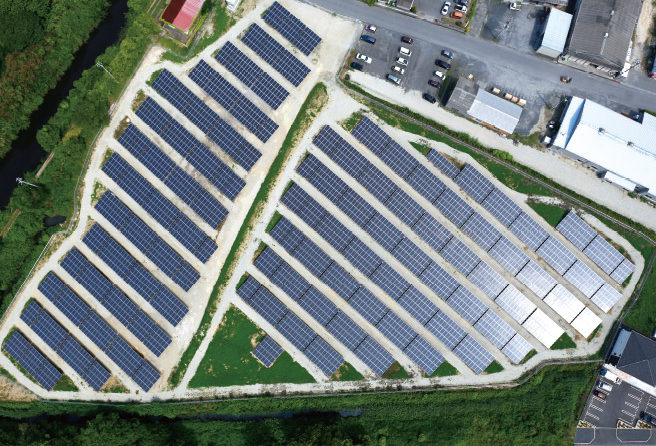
(11, 391)
(645, 22)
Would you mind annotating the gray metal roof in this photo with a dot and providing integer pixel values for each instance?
(603, 29)
(639, 358)
(496, 111)
(463, 95)
(555, 33)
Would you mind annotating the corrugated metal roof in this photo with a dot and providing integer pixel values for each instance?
(463, 95)
(181, 13)
(619, 144)
(496, 111)
(620, 181)
(555, 33)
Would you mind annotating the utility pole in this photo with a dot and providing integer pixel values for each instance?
(20, 182)
(99, 64)
(627, 69)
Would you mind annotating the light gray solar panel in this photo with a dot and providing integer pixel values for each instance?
(488, 280)
(582, 277)
(419, 306)
(509, 255)
(624, 270)
(517, 348)
(466, 304)
(474, 183)
(536, 279)
(603, 254)
(495, 329)
(529, 231)
(576, 230)
(515, 304)
(606, 297)
(556, 255)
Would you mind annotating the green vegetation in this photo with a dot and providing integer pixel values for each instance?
(65, 384)
(529, 355)
(445, 369)
(347, 372)
(114, 386)
(551, 213)
(541, 412)
(642, 316)
(563, 342)
(274, 221)
(532, 140)
(313, 104)
(85, 108)
(349, 123)
(229, 362)
(424, 149)
(494, 367)
(395, 371)
(38, 39)
(370, 2)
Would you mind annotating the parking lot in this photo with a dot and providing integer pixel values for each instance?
(519, 30)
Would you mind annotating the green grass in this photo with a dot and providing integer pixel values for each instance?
(445, 369)
(115, 387)
(349, 123)
(552, 214)
(347, 372)
(563, 342)
(153, 77)
(229, 362)
(274, 221)
(65, 384)
(395, 371)
(494, 367)
(642, 317)
(7, 375)
(528, 356)
(313, 104)
(422, 148)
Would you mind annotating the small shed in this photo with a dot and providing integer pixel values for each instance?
(495, 112)
(405, 4)
(555, 33)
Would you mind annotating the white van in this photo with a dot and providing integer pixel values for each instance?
(406, 52)
(610, 376)
(604, 386)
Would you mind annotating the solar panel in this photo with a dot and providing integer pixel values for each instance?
(411, 256)
(439, 280)
(474, 183)
(340, 281)
(268, 262)
(389, 281)
(424, 354)
(297, 331)
(432, 232)
(501, 206)
(564, 303)
(473, 354)
(529, 231)
(518, 306)
(346, 331)
(424, 182)
(267, 351)
(233, 101)
(536, 279)
(603, 254)
(460, 256)
(268, 306)
(368, 305)
(318, 306)
(383, 231)
(466, 304)
(576, 230)
(543, 328)
(251, 75)
(442, 163)
(275, 55)
(362, 257)
(556, 255)
(623, 271)
(41, 369)
(582, 277)
(453, 207)
(398, 159)
(290, 281)
(291, 28)
(374, 356)
(495, 329)
(481, 231)
(417, 305)
(146, 375)
(517, 349)
(324, 356)
(509, 255)
(488, 280)
(445, 329)
(397, 331)
(606, 297)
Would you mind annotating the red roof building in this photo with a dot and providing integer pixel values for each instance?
(181, 13)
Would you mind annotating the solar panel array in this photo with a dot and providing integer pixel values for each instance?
(67, 347)
(233, 101)
(275, 55)
(406, 252)
(463, 216)
(135, 275)
(116, 302)
(206, 119)
(251, 75)
(290, 326)
(99, 332)
(597, 248)
(32, 360)
(147, 241)
(160, 208)
(182, 184)
(267, 351)
(190, 149)
(291, 28)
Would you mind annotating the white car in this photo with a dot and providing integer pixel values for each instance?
(398, 69)
(363, 58)
(445, 8)
(370, 28)
(402, 61)
(461, 8)
(439, 74)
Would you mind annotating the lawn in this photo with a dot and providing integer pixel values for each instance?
(563, 342)
(445, 369)
(229, 362)
(494, 367)
(395, 371)
(346, 372)
(552, 214)
(65, 384)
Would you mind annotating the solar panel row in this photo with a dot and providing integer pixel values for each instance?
(189, 148)
(99, 332)
(135, 275)
(117, 303)
(290, 326)
(67, 347)
(32, 360)
(233, 101)
(160, 208)
(291, 28)
(275, 55)
(267, 351)
(251, 75)
(206, 119)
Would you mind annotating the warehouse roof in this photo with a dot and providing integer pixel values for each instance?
(496, 111)
(639, 358)
(181, 13)
(555, 33)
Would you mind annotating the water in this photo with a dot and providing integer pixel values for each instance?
(26, 153)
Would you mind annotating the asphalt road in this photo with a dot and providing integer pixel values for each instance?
(527, 67)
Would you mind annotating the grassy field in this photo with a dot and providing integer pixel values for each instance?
(395, 372)
(445, 369)
(494, 367)
(229, 362)
(552, 214)
(563, 342)
(347, 372)
(65, 384)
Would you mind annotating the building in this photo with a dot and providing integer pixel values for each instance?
(601, 34)
(622, 150)
(490, 110)
(555, 33)
(635, 355)
(181, 13)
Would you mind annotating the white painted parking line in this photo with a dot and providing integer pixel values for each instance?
(597, 408)
(635, 397)
(652, 407)
(631, 405)
(628, 413)
(592, 416)
(627, 421)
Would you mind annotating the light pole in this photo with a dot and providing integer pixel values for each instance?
(20, 182)
(99, 64)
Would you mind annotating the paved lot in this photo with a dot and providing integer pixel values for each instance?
(519, 30)
(623, 403)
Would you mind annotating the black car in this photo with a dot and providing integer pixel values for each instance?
(356, 66)
(443, 64)
(429, 98)
(434, 83)
(644, 416)
(448, 54)
(406, 39)
(463, 2)
(368, 39)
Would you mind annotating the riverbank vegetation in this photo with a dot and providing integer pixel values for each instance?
(85, 110)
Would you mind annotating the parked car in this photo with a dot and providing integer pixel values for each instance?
(370, 28)
(644, 416)
(405, 51)
(368, 39)
(439, 74)
(456, 15)
(605, 372)
(398, 69)
(463, 2)
(433, 83)
(515, 6)
(604, 386)
(363, 58)
(599, 394)
(461, 8)
(442, 64)
(357, 66)
(402, 61)
(408, 40)
(445, 8)
(429, 98)
(447, 53)
(395, 79)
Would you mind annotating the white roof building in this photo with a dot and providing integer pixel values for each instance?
(555, 33)
(623, 147)
(495, 111)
